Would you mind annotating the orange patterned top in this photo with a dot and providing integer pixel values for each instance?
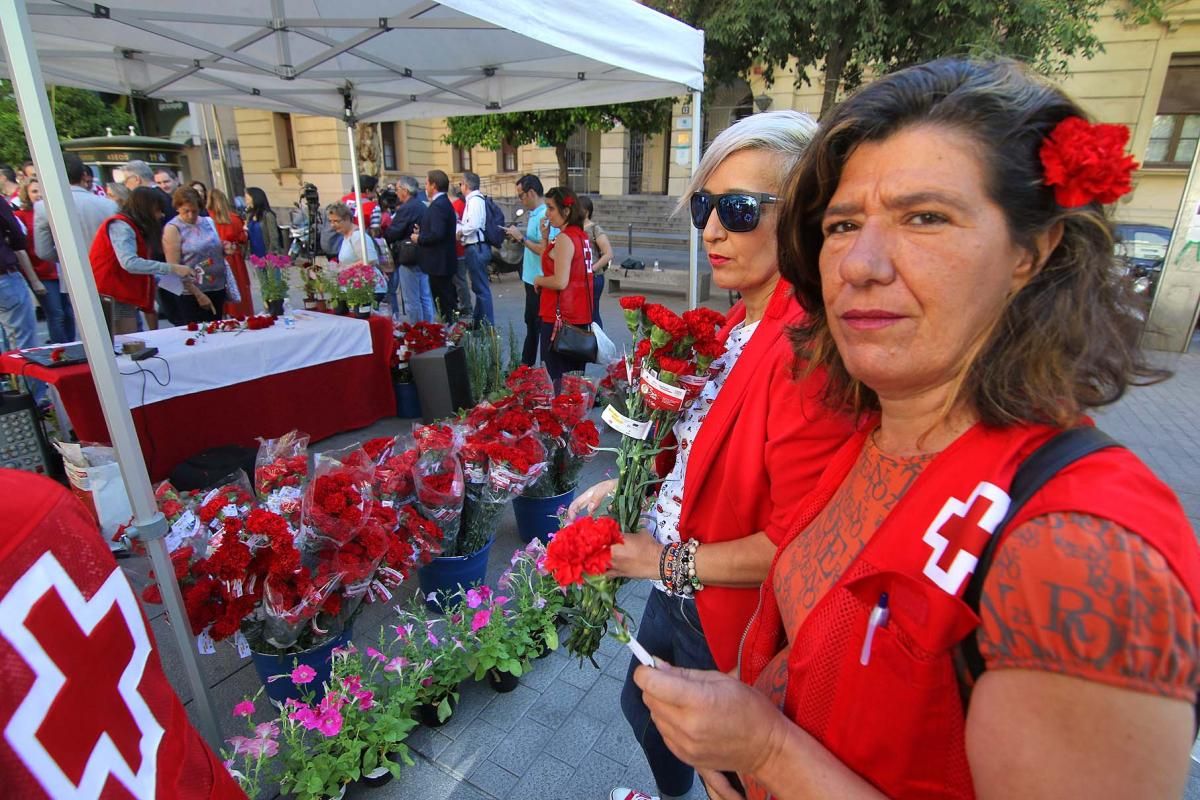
(1067, 593)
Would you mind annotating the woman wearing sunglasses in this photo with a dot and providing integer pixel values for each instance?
(746, 452)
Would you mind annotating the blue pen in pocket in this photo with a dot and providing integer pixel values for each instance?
(877, 620)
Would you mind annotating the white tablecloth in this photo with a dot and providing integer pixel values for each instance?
(223, 359)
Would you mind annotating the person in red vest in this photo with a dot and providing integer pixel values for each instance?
(946, 234)
(120, 260)
(85, 707)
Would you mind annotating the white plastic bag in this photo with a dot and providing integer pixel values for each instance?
(606, 351)
(107, 490)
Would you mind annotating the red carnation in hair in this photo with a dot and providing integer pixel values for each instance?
(1086, 163)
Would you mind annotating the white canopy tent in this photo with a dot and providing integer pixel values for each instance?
(362, 60)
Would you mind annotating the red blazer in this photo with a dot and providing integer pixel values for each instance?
(762, 447)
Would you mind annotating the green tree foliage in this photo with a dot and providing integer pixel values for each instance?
(77, 113)
(555, 126)
(849, 39)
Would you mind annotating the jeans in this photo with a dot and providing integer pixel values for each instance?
(461, 287)
(554, 363)
(60, 317)
(670, 629)
(533, 326)
(18, 322)
(597, 290)
(478, 258)
(414, 288)
(393, 283)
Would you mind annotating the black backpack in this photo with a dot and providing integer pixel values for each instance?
(493, 225)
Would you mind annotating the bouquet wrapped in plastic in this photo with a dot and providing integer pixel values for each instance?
(184, 526)
(337, 503)
(424, 537)
(439, 490)
(570, 441)
(280, 474)
(232, 498)
(531, 386)
(509, 465)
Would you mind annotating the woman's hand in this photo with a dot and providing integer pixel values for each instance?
(711, 720)
(590, 500)
(183, 271)
(637, 557)
(718, 786)
(544, 227)
(230, 248)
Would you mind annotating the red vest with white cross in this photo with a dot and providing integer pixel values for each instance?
(85, 709)
(899, 721)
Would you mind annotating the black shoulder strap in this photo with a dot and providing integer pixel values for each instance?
(1043, 464)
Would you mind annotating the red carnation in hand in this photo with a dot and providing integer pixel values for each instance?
(634, 302)
(582, 548)
(675, 366)
(668, 322)
(1085, 162)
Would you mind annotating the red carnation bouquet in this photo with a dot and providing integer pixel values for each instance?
(439, 490)
(421, 337)
(577, 557)
(394, 485)
(502, 466)
(570, 439)
(531, 386)
(281, 473)
(231, 499)
(673, 357)
(423, 535)
(337, 503)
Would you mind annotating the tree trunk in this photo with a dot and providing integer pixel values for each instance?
(835, 66)
(560, 152)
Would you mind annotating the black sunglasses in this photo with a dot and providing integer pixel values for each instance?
(738, 212)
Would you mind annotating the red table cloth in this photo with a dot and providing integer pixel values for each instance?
(321, 400)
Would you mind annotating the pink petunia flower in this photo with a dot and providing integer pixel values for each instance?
(481, 619)
(303, 674)
(330, 724)
(375, 654)
(243, 709)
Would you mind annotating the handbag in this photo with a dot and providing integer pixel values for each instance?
(577, 342)
(406, 252)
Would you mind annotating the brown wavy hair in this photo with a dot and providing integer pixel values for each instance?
(1067, 341)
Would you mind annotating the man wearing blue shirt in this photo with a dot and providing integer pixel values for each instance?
(530, 193)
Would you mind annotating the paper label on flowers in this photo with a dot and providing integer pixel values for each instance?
(243, 646)
(659, 395)
(181, 529)
(693, 385)
(504, 479)
(205, 644)
(474, 472)
(623, 424)
(230, 510)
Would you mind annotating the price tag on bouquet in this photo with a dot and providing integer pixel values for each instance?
(243, 646)
(205, 644)
(624, 425)
(661, 396)
(693, 385)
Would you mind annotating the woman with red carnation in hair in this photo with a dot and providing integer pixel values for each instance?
(750, 447)
(565, 284)
(943, 621)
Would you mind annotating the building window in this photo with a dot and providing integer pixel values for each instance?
(285, 141)
(1173, 139)
(388, 134)
(462, 159)
(1176, 128)
(506, 157)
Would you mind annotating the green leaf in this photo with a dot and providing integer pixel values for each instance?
(444, 710)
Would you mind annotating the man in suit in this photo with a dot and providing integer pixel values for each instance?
(436, 237)
(413, 283)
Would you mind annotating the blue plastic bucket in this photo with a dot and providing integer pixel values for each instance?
(408, 404)
(320, 658)
(445, 574)
(537, 517)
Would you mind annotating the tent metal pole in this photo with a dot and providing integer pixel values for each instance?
(358, 207)
(212, 167)
(693, 234)
(25, 70)
(221, 152)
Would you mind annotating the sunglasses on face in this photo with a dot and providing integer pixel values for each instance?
(738, 212)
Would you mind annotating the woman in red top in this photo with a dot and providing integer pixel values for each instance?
(747, 451)
(233, 236)
(566, 279)
(946, 233)
(60, 318)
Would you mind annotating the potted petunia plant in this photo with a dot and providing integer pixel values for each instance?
(536, 599)
(436, 646)
(501, 651)
(388, 720)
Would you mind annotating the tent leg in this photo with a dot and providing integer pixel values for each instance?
(24, 67)
(693, 234)
(358, 207)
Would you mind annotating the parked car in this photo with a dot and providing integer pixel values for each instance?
(1141, 250)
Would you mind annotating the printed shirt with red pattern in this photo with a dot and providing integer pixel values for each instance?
(1082, 566)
